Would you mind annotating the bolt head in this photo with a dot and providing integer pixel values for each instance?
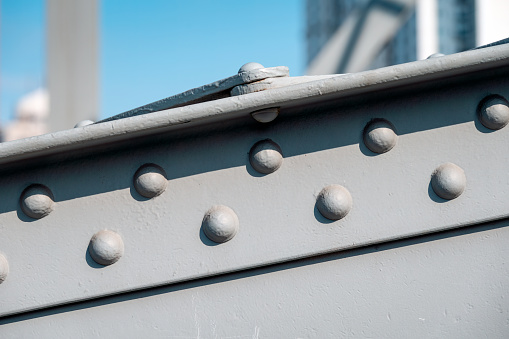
(220, 224)
(379, 136)
(150, 180)
(266, 156)
(494, 112)
(106, 247)
(250, 66)
(334, 202)
(448, 181)
(37, 201)
(4, 268)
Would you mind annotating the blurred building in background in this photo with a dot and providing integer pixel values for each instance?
(324, 17)
(456, 25)
(72, 94)
(31, 116)
(72, 62)
(353, 35)
(342, 36)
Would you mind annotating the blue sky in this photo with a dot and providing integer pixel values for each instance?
(22, 56)
(153, 49)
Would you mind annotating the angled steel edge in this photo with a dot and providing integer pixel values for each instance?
(406, 74)
(216, 90)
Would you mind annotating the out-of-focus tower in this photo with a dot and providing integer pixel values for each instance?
(491, 21)
(73, 62)
(323, 19)
(456, 25)
(435, 26)
(346, 36)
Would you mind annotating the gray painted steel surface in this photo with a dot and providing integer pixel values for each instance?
(446, 285)
(207, 223)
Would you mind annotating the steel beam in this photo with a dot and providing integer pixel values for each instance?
(178, 200)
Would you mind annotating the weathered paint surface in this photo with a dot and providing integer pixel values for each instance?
(200, 232)
(278, 219)
(216, 90)
(448, 285)
(339, 88)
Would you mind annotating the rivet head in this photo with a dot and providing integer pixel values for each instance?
(150, 180)
(250, 66)
(334, 202)
(266, 115)
(106, 247)
(84, 123)
(448, 181)
(220, 223)
(379, 136)
(436, 55)
(37, 201)
(4, 268)
(494, 112)
(266, 156)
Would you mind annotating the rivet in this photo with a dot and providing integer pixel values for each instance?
(436, 55)
(448, 181)
(250, 66)
(266, 156)
(83, 123)
(4, 268)
(379, 136)
(106, 247)
(150, 180)
(37, 201)
(494, 112)
(334, 202)
(220, 223)
(266, 115)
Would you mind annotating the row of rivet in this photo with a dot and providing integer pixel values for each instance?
(220, 223)
(380, 136)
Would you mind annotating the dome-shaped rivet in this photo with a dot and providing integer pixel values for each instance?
(334, 202)
(150, 180)
(379, 136)
(266, 115)
(37, 201)
(4, 268)
(436, 55)
(220, 223)
(266, 156)
(84, 123)
(106, 247)
(250, 66)
(448, 181)
(494, 112)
